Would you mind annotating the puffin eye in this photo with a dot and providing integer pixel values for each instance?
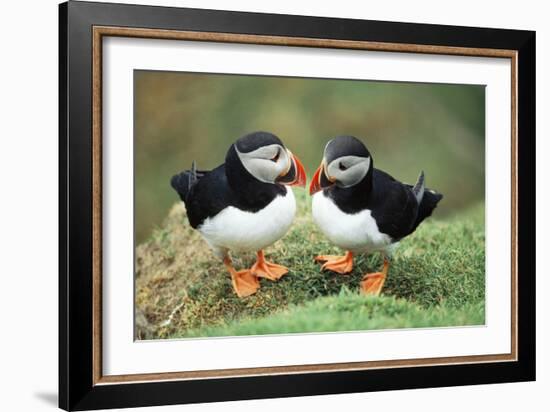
(276, 157)
(341, 166)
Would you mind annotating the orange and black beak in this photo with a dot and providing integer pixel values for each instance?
(295, 175)
(320, 179)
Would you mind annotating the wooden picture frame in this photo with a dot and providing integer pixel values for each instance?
(82, 28)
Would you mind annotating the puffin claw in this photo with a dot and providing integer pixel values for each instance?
(372, 283)
(245, 283)
(264, 269)
(338, 264)
(269, 271)
(326, 258)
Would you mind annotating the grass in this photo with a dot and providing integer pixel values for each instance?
(437, 278)
(348, 311)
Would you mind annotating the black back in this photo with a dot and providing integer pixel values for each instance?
(393, 204)
(207, 193)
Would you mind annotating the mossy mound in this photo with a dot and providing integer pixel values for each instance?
(437, 278)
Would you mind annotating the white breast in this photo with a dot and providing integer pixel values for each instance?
(238, 230)
(355, 232)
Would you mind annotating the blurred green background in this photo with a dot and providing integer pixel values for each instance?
(408, 127)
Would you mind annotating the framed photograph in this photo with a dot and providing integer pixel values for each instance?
(256, 205)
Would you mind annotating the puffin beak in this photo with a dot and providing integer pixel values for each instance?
(296, 174)
(320, 180)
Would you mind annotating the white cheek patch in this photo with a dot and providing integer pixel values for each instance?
(357, 168)
(259, 164)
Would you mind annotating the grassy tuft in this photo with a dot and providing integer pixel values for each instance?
(348, 311)
(437, 278)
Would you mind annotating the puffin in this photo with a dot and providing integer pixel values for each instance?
(362, 209)
(245, 204)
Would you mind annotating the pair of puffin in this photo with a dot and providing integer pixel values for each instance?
(245, 205)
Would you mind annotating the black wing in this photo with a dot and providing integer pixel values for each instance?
(183, 182)
(395, 205)
(427, 205)
(203, 192)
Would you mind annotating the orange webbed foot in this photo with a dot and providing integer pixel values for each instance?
(244, 282)
(338, 264)
(264, 269)
(373, 283)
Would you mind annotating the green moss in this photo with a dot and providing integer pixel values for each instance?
(348, 311)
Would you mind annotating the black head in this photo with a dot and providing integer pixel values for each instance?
(341, 146)
(253, 141)
(262, 156)
(346, 163)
